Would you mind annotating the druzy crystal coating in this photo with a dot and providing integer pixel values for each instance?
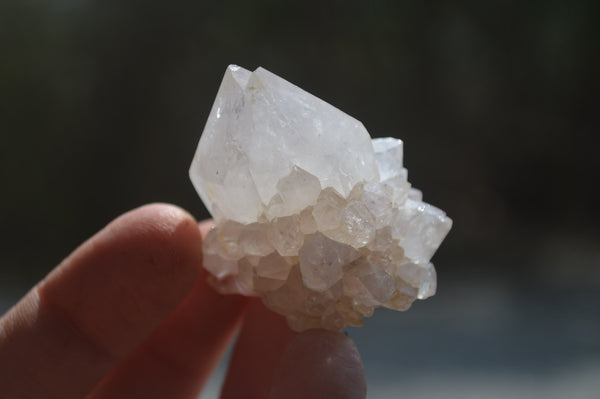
(311, 214)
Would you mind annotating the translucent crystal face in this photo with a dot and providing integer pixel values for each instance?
(311, 214)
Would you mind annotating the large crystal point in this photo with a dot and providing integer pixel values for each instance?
(311, 214)
(262, 129)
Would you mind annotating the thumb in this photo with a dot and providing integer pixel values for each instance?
(320, 364)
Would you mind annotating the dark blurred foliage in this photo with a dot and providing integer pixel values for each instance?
(102, 104)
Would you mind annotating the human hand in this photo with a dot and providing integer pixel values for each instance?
(129, 314)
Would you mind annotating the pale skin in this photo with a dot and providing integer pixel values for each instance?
(129, 314)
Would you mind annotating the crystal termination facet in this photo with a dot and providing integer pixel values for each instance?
(311, 215)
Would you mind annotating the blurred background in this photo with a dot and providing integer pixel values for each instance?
(102, 104)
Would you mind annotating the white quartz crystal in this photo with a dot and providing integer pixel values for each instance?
(311, 215)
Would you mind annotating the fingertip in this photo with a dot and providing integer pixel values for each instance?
(163, 235)
(320, 364)
(165, 227)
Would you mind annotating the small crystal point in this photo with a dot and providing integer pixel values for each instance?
(328, 210)
(388, 154)
(285, 235)
(321, 261)
(311, 215)
(296, 191)
(274, 267)
(253, 239)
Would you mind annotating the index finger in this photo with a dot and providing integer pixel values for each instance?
(99, 304)
(180, 355)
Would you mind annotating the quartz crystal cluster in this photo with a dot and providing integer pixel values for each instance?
(311, 214)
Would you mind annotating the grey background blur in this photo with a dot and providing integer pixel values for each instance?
(102, 104)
